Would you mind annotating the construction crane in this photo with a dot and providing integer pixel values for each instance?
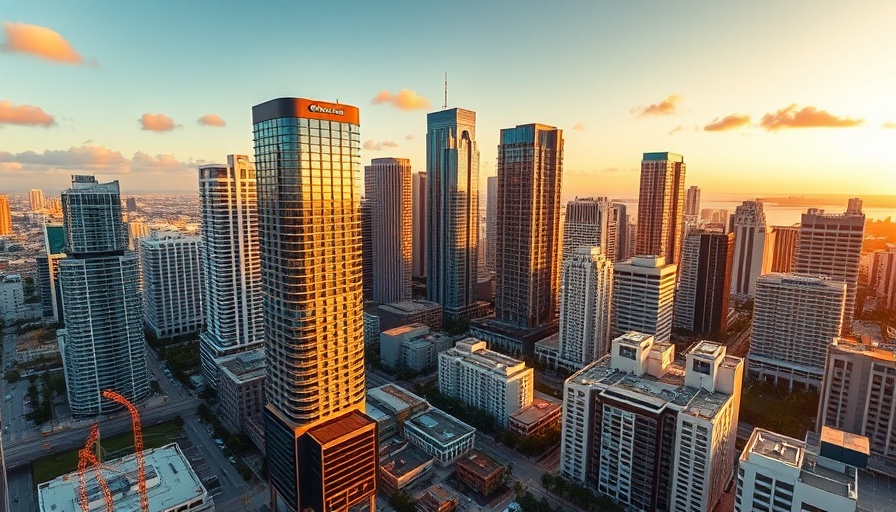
(87, 456)
(138, 444)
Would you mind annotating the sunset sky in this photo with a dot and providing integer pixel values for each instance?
(761, 97)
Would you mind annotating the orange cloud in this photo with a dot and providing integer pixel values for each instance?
(677, 129)
(211, 120)
(579, 127)
(27, 115)
(143, 162)
(41, 42)
(807, 117)
(727, 123)
(157, 123)
(406, 99)
(890, 125)
(667, 107)
(378, 146)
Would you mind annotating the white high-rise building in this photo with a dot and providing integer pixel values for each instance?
(12, 299)
(795, 318)
(36, 199)
(102, 345)
(782, 474)
(485, 379)
(830, 245)
(586, 295)
(651, 431)
(643, 293)
(231, 285)
(172, 283)
(752, 251)
(387, 186)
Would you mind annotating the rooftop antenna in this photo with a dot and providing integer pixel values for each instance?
(445, 105)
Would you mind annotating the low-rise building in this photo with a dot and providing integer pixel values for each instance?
(391, 406)
(403, 466)
(12, 299)
(407, 312)
(780, 473)
(435, 498)
(485, 379)
(171, 484)
(440, 435)
(241, 388)
(480, 472)
(536, 417)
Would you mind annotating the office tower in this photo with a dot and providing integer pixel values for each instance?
(491, 224)
(36, 199)
(418, 198)
(692, 201)
(783, 242)
(498, 384)
(882, 277)
(136, 231)
(231, 270)
(5, 217)
(783, 474)
(661, 206)
(652, 431)
(631, 238)
(617, 236)
(102, 345)
(530, 164)
(643, 291)
(752, 254)
(585, 305)
(701, 301)
(387, 186)
(452, 217)
(366, 248)
(321, 447)
(47, 271)
(132, 204)
(857, 394)
(586, 225)
(172, 283)
(830, 245)
(794, 320)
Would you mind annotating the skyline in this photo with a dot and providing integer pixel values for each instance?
(625, 100)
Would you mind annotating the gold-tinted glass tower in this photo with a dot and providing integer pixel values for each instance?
(321, 448)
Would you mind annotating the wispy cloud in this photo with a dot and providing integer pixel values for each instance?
(890, 125)
(27, 115)
(405, 99)
(409, 136)
(157, 123)
(91, 158)
(41, 42)
(727, 123)
(667, 107)
(211, 120)
(579, 127)
(678, 128)
(807, 117)
(373, 145)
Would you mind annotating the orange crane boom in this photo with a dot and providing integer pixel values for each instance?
(138, 444)
(85, 456)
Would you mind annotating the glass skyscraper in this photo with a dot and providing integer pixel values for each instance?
(102, 345)
(321, 448)
(452, 233)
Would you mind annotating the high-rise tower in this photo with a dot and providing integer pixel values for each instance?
(387, 185)
(5, 217)
(491, 224)
(418, 199)
(321, 447)
(692, 201)
(595, 222)
(530, 164)
(753, 251)
(585, 306)
(830, 245)
(661, 206)
(102, 345)
(36, 199)
(232, 303)
(452, 216)
(701, 301)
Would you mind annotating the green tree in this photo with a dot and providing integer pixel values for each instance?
(401, 501)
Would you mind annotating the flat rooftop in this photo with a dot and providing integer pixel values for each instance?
(881, 352)
(537, 410)
(480, 464)
(405, 329)
(439, 426)
(551, 342)
(774, 446)
(409, 306)
(394, 399)
(244, 366)
(340, 426)
(404, 461)
(170, 483)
